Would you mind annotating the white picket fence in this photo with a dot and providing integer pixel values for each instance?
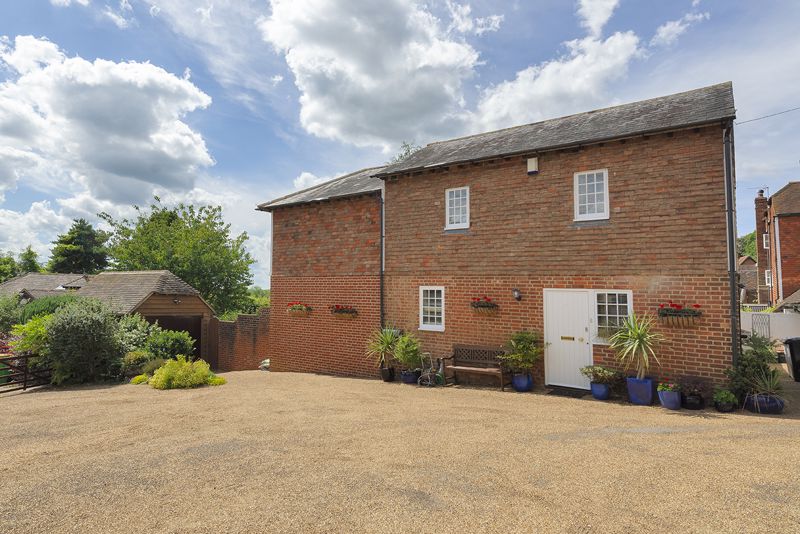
(777, 326)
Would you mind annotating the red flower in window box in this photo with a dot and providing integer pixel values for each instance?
(483, 304)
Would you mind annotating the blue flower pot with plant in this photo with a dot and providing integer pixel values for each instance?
(522, 382)
(600, 380)
(669, 395)
(634, 343)
(641, 391)
(600, 391)
(524, 349)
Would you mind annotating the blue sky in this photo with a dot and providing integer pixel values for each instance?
(104, 103)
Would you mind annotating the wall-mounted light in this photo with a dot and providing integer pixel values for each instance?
(517, 294)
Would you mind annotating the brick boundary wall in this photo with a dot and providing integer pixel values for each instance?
(241, 344)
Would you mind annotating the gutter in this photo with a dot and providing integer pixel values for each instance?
(730, 219)
(382, 258)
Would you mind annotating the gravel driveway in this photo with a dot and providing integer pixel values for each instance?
(303, 453)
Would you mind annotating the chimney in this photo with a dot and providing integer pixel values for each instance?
(762, 254)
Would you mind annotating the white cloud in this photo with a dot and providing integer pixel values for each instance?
(668, 33)
(154, 10)
(371, 75)
(307, 179)
(115, 129)
(67, 3)
(575, 82)
(462, 21)
(276, 79)
(36, 227)
(595, 14)
(119, 20)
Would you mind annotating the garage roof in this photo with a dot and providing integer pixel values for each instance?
(124, 291)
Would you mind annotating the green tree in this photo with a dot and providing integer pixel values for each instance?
(29, 261)
(8, 267)
(192, 242)
(81, 250)
(746, 245)
(406, 149)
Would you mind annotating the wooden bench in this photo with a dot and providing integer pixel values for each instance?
(481, 360)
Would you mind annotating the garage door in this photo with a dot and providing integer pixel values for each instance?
(191, 323)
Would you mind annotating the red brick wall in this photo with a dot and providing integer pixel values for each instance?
(325, 254)
(241, 344)
(790, 255)
(762, 254)
(666, 239)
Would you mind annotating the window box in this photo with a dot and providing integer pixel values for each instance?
(484, 305)
(674, 314)
(298, 309)
(344, 312)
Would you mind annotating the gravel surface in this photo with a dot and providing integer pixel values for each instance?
(272, 452)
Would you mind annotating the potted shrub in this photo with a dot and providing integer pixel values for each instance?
(764, 395)
(724, 400)
(407, 353)
(381, 347)
(634, 344)
(693, 393)
(600, 380)
(669, 395)
(524, 350)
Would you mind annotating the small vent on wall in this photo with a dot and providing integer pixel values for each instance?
(533, 166)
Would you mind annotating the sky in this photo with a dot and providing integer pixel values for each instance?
(106, 103)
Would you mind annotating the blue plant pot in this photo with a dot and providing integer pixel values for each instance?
(763, 404)
(522, 383)
(600, 391)
(642, 391)
(410, 377)
(671, 400)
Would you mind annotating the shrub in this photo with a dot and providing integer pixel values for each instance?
(46, 306)
(407, 352)
(381, 345)
(757, 353)
(31, 337)
(140, 379)
(600, 375)
(152, 366)
(134, 331)
(86, 346)
(184, 373)
(9, 313)
(169, 344)
(133, 362)
(524, 351)
(724, 396)
(216, 381)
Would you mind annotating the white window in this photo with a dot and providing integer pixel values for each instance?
(611, 309)
(765, 239)
(456, 208)
(591, 195)
(431, 308)
(768, 277)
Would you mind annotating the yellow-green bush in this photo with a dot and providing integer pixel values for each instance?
(140, 379)
(183, 373)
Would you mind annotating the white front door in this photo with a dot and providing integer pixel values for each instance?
(567, 337)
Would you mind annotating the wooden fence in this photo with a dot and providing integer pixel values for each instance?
(20, 373)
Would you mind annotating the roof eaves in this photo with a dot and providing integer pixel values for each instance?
(270, 208)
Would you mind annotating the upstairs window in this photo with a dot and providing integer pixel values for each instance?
(765, 240)
(768, 278)
(456, 208)
(431, 308)
(591, 195)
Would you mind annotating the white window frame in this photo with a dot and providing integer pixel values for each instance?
(606, 200)
(768, 277)
(431, 327)
(597, 339)
(765, 240)
(459, 226)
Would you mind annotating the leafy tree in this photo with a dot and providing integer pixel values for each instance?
(9, 312)
(406, 149)
(192, 242)
(29, 261)
(746, 245)
(81, 250)
(8, 267)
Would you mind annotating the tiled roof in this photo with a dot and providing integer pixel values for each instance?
(123, 291)
(356, 183)
(746, 260)
(681, 110)
(792, 301)
(40, 282)
(787, 199)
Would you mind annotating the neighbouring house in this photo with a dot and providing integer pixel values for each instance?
(778, 245)
(155, 295)
(568, 225)
(748, 278)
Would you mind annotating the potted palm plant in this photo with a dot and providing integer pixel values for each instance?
(524, 350)
(407, 354)
(380, 348)
(764, 395)
(634, 344)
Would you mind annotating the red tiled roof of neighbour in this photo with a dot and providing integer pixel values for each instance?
(746, 260)
(787, 200)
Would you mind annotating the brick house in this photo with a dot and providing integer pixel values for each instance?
(778, 245)
(583, 218)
